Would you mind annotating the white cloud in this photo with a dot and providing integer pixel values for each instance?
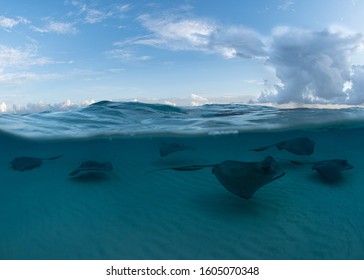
(255, 82)
(194, 100)
(177, 32)
(356, 91)
(57, 27)
(90, 15)
(238, 41)
(21, 77)
(122, 8)
(148, 40)
(16, 78)
(9, 23)
(313, 67)
(198, 100)
(126, 55)
(310, 66)
(120, 54)
(3, 107)
(42, 106)
(94, 13)
(95, 16)
(286, 6)
(19, 57)
(15, 61)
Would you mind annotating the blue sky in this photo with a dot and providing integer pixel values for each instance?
(181, 51)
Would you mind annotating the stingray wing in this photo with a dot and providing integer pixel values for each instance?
(25, 163)
(185, 168)
(262, 148)
(330, 169)
(327, 172)
(297, 146)
(245, 178)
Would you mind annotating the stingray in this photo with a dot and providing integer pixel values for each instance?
(241, 178)
(329, 169)
(28, 163)
(167, 149)
(92, 166)
(297, 146)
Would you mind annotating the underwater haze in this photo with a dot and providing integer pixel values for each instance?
(131, 180)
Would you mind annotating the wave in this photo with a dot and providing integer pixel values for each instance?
(106, 118)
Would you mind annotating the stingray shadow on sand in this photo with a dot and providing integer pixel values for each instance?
(91, 171)
(91, 177)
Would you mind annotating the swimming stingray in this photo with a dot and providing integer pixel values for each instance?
(328, 169)
(241, 178)
(28, 163)
(298, 146)
(92, 166)
(167, 149)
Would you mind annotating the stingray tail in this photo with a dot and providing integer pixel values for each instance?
(185, 168)
(262, 148)
(298, 162)
(52, 158)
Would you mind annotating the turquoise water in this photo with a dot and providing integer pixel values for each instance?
(140, 119)
(130, 212)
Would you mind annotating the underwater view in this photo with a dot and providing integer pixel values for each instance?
(131, 180)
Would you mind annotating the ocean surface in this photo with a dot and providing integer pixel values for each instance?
(130, 180)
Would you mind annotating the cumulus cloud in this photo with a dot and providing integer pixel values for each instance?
(3, 107)
(310, 66)
(313, 67)
(355, 91)
(198, 100)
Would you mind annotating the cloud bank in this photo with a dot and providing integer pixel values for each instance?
(310, 66)
(315, 67)
(181, 33)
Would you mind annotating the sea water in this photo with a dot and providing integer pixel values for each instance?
(143, 210)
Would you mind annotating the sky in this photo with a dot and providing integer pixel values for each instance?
(71, 52)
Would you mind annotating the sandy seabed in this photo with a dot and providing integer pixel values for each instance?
(131, 213)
